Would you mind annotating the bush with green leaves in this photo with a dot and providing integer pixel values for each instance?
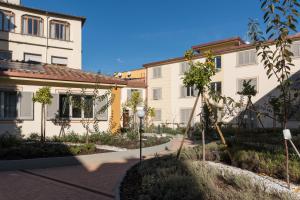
(8, 140)
(168, 178)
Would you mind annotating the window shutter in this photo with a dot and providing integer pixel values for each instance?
(296, 50)
(183, 92)
(129, 94)
(67, 32)
(53, 108)
(52, 30)
(254, 82)
(252, 57)
(25, 106)
(240, 85)
(24, 27)
(99, 112)
(159, 94)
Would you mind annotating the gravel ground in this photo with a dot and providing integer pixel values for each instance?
(270, 184)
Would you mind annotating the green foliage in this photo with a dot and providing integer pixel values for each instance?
(281, 19)
(200, 73)
(43, 96)
(8, 140)
(134, 101)
(171, 179)
(43, 150)
(248, 89)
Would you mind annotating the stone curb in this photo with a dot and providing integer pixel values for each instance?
(93, 159)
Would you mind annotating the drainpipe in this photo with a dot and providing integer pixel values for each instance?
(47, 37)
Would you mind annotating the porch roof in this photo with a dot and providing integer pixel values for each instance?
(53, 72)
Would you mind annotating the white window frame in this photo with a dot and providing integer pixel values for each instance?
(58, 57)
(67, 30)
(296, 44)
(181, 118)
(247, 79)
(246, 64)
(155, 74)
(184, 67)
(155, 119)
(33, 54)
(160, 96)
(2, 118)
(71, 108)
(215, 86)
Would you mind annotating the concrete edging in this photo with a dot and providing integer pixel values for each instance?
(94, 159)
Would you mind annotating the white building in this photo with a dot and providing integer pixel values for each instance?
(235, 62)
(41, 48)
(38, 35)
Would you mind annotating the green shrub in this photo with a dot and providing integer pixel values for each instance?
(132, 135)
(8, 140)
(73, 137)
(170, 179)
(34, 137)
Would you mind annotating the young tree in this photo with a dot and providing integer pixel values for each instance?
(133, 102)
(44, 97)
(198, 76)
(149, 114)
(274, 48)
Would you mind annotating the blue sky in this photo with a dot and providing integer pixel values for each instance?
(125, 34)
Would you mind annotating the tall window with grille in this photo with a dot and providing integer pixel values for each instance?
(59, 30)
(7, 21)
(32, 25)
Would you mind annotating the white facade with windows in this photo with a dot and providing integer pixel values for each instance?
(233, 68)
(55, 38)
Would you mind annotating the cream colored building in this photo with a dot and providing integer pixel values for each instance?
(40, 48)
(41, 36)
(235, 61)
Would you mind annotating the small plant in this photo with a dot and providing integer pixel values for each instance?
(44, 97)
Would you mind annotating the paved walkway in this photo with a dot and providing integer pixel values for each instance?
(82, 182)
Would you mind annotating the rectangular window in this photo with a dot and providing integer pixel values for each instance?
(59, 60)
(247, 57)
(59, 30)
(185, 115)
(64, 106)
(76, 106)
(7, 21)
(156, 72)
(156, 94)
(187, 92)
(88, 107)
(184, 67)
(8, 105)
(295, 48)
(5, 55)
(157, 116)
(240, 87)
(29, 57)
(216, 87)
(32, 25)
(218, 63)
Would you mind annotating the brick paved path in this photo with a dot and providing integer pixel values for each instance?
(68, 183)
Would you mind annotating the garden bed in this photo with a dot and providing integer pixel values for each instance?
(171, 179)
(45, 150)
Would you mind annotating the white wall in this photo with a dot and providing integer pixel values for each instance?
(20, 44)
(33, 126)
(171, 80)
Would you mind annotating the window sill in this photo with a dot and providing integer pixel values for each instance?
(247, 65)
(60, 40)
(37, 36)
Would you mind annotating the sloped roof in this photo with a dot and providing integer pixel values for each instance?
(136, 83)
(53, 72)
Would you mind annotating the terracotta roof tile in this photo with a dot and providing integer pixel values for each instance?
(136, 83)
(53, 72)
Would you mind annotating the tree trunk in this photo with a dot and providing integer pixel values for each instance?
(188, 125)
(87, 135)
(42, 123)
(44, 127)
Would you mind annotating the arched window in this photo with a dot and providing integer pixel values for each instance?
(59, 30)
(32, 25)
(7, 21)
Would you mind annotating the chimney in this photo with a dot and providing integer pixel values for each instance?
(18, 2)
